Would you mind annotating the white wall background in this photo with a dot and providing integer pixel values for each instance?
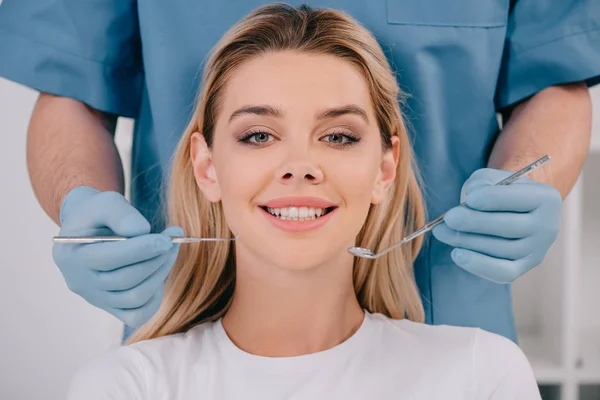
(46, 332)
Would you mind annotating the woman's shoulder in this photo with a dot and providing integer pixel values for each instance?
(501, 365)
(134, 370)
(454, 340)
(421, 335)
(117, 373)
(494, 365)
(174, 346)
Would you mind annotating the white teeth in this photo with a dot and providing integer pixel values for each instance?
(296, 213)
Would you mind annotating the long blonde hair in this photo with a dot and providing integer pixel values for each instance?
(201, 284)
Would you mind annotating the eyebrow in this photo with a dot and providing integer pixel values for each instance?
(272, 111)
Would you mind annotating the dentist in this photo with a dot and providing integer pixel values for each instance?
(461, 63)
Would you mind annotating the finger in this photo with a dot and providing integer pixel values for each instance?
(174, 253)
(487, 176)
(132, 275)
(138, 296)
(502, 224)
(63, 251)
(107, 209)
(137, 317)
(513, 198)
(493, 269)
(108, 256)
(510, 249)
(95, 297)
(173, 231)
(75, 197)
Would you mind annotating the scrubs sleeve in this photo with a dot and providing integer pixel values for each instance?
(549, 42)
(88, 50)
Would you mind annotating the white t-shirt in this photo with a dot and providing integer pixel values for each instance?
(384, 359)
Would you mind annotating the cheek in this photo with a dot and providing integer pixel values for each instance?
(353, 181)
(354, 178)
(241, 178)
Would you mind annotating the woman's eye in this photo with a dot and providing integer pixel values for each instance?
(340, 139)
(258, 137)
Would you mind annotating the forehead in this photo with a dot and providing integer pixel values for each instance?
(293, 80)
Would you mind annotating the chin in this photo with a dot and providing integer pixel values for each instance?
(299, 257)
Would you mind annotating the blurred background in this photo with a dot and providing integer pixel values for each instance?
(47, 332)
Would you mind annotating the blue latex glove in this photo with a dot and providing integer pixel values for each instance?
(504, 231)
(125, 278)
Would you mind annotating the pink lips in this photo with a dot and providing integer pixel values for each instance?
(298, 226)
(299, 201)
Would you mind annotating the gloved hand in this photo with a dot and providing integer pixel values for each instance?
(124, 278)
(504, 231)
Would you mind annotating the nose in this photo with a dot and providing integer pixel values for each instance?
(297, 170)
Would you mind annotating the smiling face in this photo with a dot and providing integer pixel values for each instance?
(296, 158)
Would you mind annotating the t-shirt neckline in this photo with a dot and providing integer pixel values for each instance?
(359, 340)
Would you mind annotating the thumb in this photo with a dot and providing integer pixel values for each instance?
(106, 210)
(121, 217)
(74, 198)
(481, 177)
(469, 186)
(173, 231)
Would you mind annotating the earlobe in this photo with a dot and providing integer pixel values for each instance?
(387, 172)
(204, 170)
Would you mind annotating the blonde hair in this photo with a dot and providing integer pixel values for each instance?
(201, 284)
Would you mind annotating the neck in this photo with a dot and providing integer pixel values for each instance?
(279, 312)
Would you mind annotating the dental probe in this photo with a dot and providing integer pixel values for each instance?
(94, 239)
(367, 253)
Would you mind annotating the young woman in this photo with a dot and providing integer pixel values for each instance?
(298, 145)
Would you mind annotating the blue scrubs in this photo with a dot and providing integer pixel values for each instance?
(461, 61)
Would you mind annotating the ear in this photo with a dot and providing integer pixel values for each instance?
(204, 170)
(387, 172)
